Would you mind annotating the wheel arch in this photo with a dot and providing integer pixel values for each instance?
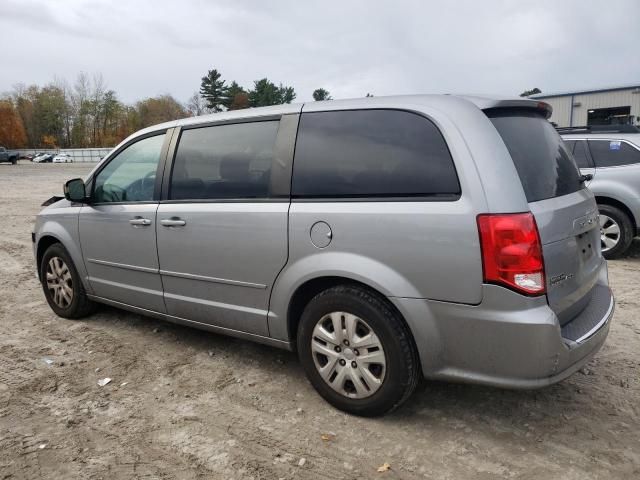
(51, 233)
(312, 287)
(45, 242)
(414, 313)
(612, 202)
(318, 269)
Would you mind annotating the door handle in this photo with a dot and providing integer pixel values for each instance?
(173, 222)
(140, 221)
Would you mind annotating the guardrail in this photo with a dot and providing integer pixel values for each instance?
(77, 154)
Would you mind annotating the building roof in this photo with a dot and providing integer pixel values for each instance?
(581, 92)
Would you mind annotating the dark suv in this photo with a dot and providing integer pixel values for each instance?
(8, 156)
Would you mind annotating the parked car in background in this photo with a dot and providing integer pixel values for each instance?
(62, 158)
(43, 158)
(8, 156)
(611, 154)
(426, 235)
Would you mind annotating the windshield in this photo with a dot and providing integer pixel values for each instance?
(545, 167)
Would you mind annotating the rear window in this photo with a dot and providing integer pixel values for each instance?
(545, 167)
(372, 153)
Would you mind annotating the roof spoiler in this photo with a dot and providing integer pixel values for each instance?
(543, 107)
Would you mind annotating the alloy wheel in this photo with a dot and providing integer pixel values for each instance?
(348, 355)
(609, 232)
(59, 282)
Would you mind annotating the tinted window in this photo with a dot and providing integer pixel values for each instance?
(224, 161)
(545, 167)
(131, 175)
(611, 153)
(580, 154)
(371, 153)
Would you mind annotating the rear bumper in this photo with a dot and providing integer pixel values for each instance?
(508, 341)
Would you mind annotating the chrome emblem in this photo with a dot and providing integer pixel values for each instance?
(558, 279)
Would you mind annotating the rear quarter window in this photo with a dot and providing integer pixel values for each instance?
(545, 167)
(372, 153)
(613, 153)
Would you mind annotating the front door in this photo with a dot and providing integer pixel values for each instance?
(222, 236)
(117, 228)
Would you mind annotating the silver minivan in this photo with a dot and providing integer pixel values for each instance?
(384, 239)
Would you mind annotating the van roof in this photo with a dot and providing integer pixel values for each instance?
(397, 101)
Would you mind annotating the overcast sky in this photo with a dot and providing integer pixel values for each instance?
(145, 48)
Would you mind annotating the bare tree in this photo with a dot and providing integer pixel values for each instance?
(67, 94)
(98, 88)
(196, 105)
(80, 109)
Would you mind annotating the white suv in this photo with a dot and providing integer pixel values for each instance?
(612, 156)
(62, 158)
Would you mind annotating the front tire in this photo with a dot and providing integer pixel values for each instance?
(62, 285)
(616, 231)
(357, 351)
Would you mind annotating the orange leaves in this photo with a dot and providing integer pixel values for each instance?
(12, 133)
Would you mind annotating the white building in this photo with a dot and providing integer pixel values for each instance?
(605, 106)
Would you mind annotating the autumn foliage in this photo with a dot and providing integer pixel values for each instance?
(85, 114)
(12, 133)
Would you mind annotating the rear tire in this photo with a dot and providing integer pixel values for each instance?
(371, 364)
(610, 218)
(62, 285)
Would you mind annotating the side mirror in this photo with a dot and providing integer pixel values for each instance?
(586, 178)
(74, 190)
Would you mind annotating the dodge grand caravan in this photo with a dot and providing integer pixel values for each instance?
(384, 239)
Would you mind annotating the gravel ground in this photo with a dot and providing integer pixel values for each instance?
(190, 404)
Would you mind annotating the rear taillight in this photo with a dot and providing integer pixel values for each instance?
(512, 252)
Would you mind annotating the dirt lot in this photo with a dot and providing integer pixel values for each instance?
(189, 404)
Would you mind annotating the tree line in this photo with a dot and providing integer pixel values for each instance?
(216, 95)
(79, 115)
(86, 113)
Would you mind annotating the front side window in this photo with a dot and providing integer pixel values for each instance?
(371, 153)
(131, 175)
(224, 161)
(613, 153)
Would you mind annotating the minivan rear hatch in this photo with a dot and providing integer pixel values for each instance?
(565, 211)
